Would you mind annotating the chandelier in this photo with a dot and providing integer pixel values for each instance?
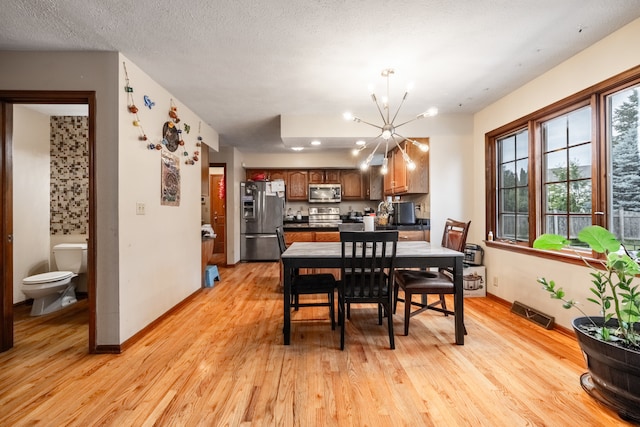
(388, 130)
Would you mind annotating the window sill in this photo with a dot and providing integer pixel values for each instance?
(566, 255)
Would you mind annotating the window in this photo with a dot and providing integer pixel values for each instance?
(513, 186)
(566, 173)
(569, 165)
(623, 144)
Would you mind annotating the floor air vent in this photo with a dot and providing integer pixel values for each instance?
(532, 314)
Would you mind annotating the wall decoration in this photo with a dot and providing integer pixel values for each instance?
(170, 180)
(148, 102)
(131, 106)
(170, 136)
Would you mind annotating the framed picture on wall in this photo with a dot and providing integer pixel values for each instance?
(170, 181)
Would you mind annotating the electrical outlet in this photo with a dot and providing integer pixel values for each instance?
(139, 208)
(495, 281)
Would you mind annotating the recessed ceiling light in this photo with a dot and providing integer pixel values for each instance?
(361, 142)
(297, 148)
(315, 142)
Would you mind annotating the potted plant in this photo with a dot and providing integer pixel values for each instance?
(610, 342)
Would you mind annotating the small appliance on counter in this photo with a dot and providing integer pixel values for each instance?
(404, 213)
(473, 254)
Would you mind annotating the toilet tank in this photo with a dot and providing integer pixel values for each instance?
(71, 257)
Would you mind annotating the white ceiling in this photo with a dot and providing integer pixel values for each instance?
(241, 64)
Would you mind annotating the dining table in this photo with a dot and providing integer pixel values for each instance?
(409, 254)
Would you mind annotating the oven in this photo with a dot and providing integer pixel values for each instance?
(324, 217)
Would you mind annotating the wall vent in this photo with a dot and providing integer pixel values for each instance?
(533, 315)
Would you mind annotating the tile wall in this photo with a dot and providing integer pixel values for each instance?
(69, 175)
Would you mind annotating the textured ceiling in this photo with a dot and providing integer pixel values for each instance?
(240, 64)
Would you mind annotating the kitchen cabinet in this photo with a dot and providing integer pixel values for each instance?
(400, 180)
(269, 174)
(413, 235)
(327, 236)
(297, 185)
(352, 184)
(329, 176)
(299, 236)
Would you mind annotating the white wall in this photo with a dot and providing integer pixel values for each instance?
(31, 178)
(160, 252)
(517, 273)
(144, 264)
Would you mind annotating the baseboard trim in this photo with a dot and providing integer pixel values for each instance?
(108, 349)
(565, 331)
(117, 349)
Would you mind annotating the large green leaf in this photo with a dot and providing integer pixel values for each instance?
(550, 242)
(599, 239)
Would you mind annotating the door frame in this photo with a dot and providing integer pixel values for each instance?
(7, 99)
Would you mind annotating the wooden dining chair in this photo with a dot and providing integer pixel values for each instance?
(310, 284)
(368, 263)
(420, 282)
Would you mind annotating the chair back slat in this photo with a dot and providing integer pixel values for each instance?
(455, 234)
(368, 257)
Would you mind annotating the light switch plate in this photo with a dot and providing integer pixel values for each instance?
(139, 208)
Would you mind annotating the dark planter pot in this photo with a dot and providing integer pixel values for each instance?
(614, 372)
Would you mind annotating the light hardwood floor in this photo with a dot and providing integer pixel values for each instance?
(220, 361)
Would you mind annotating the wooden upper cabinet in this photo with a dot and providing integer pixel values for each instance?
(400, 180)
(277, 174)
(316, 177)
(269, 174)
(298, 185)
(332, 176)
(352, 184)
(329, 176)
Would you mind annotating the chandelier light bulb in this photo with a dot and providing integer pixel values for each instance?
(433, 111)
(389, 126)
(422, 147)
(384, 168)
(364, 166)
(355, 151)
(347, 116)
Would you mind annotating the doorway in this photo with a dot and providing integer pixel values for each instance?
(7, 101)
(218, 199)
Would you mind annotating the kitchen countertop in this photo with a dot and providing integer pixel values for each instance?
(303, 225)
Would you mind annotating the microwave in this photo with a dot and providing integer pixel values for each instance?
(325, 193)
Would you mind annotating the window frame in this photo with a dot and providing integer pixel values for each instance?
(594, 97)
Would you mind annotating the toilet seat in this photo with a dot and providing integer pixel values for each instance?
(50, 277)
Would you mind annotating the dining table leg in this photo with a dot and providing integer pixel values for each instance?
(287, 274)
(458, 301)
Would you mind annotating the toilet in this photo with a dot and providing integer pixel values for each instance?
(56, 289)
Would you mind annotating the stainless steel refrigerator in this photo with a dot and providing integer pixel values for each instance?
(261, 212)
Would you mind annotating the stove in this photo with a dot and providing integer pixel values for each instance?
(324, 217)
